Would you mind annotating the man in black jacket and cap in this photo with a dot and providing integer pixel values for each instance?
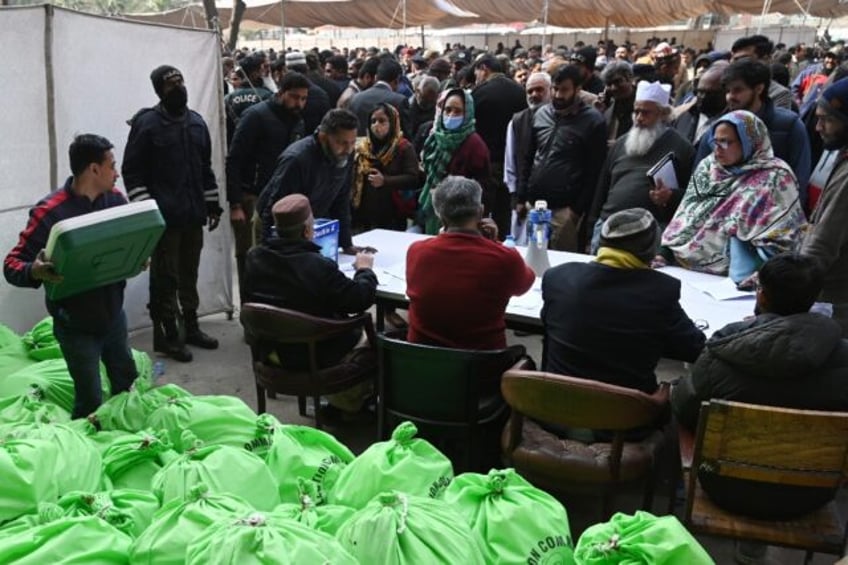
(168, 157)
(288, 271)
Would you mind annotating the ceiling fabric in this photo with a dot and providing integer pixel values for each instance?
(449, 13)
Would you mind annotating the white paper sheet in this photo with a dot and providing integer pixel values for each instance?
(722, 289)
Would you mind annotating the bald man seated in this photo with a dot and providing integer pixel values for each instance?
(288, 271)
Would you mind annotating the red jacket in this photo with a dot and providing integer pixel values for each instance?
(458, 285)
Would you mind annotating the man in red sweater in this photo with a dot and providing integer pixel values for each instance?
(460, 281)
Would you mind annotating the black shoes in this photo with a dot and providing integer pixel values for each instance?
(166, 339)
(195, 336)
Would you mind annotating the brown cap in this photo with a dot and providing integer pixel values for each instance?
(291, 213)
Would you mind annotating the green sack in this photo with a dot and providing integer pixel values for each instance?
(403, 463)
(40, 342)
(224, 470)
(101, 440)
(327, 518)
(214, 420)
(47, 512)
(129, 410)
(31, 407)
(131, 511)
(517, 522)
(81, 539)
(294, 452)
(262, 539)
(78, 463)
(640, 539)
(398, 529)
(177, 523)
(51, 377)
(134, 459)
(27, 476)
(13, 352)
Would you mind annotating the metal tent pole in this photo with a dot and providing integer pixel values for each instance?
(283, 25)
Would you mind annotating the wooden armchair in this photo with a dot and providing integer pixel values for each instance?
(268, 326)
(567, 465)
(773, 445)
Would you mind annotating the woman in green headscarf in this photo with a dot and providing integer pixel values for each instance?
(454, 148)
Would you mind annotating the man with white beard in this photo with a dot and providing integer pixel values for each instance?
(624, 182)
(518, 137)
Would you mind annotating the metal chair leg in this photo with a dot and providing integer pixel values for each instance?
(316, 402)
(808, 558)
(301, 405)
(260, 398)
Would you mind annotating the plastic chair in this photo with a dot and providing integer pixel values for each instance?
(268, 326)
(773, 445)
(568, 465)
(447, 393)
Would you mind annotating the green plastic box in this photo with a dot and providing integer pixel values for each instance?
(102, 247)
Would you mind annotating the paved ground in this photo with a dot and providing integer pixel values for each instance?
(227, 371)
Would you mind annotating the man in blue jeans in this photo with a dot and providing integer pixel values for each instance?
(91, 325)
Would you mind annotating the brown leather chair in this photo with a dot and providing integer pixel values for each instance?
(267, 326)
(570, 466)
(781, 446)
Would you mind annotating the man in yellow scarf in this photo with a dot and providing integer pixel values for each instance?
(613, 319)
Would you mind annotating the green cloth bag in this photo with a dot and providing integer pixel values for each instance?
(47, 512)
(13, 352)
(27, 476)
(517, 522)
(78, 465)
(327, 518)
(130, 511)
(101, 440)
(294, 452)
(40, 342)
(129, 410)
(399, 529)
(223, 469)
(31, 407)
(403, 463)
(214, 420)
(265, 539)
(178, 522)
(132, 461)
(640, 539)
(79, 539)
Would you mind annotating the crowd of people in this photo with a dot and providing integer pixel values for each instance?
(462, 144)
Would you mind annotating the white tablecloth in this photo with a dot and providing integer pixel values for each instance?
(390, 267)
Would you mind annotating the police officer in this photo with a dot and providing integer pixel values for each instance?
(168, 157)
(250, 91)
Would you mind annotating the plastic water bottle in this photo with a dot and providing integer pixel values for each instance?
(509, 241)
(539, 233)
(158, 370)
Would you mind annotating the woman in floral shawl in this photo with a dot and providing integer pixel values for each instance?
(741, 206)
(386, 175)
(454, 148)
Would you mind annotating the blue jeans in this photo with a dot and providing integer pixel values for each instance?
(83, 352)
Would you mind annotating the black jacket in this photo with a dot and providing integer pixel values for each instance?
(419, 116)
(92, 311)
(495, 102)
(263, 133)
(363, 103)
(304, 168)
(613, 325)
(317, 105)
(565, 158)
(798, 361)
(293, 274)
(331, 88)
(169, 159)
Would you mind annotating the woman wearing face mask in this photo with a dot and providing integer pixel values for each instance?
(386, 175)
(454, 148)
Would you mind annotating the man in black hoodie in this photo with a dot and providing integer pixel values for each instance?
(784, 356)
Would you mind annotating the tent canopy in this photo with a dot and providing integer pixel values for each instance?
(454, 13)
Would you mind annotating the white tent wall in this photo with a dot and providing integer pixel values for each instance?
(100, 70)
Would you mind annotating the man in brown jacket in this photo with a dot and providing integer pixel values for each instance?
(827, 240)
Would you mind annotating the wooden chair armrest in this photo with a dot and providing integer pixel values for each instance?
(686, 441)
